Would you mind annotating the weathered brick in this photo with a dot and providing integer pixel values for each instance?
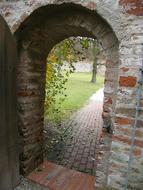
(26, 93)
(127, 140)
(123, 121)
(137, 152)
(108, 100)
(129, 81)
(134, 7)
(139, 143)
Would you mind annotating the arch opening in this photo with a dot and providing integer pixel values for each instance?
(75, 107)
(36, 36)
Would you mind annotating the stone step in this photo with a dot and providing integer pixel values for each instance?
(56, 177)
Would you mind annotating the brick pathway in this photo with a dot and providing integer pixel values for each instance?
(76, 149)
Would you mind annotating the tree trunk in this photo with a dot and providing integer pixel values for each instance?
(94, 71)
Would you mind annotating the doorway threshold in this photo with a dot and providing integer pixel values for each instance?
(56, 177)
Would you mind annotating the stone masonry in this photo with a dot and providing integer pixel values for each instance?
(118, 25)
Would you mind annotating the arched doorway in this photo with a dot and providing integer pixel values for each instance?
(44, 28)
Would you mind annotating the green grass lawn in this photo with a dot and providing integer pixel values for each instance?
(79, 90)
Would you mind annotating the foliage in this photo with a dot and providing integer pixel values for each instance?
(55, 78)
(85, 42)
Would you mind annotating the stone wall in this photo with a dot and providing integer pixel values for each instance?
(86, 66)
(80, 66)
(130, 61)
(38, 26)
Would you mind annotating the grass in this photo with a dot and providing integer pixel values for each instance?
(79, 90)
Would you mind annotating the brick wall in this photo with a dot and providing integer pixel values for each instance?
(38, 29)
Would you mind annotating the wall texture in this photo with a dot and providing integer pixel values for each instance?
(118, 26)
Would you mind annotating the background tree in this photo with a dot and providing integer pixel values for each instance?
(95, 59)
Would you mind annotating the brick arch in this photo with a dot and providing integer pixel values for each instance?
(36, 36)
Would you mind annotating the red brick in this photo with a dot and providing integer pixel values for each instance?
(122, 138)
(26, 93)
(134, 7)
(137, 152)
(139, 143)
(49, 178)
(108, 100)
(127, 140)
(127, 2)
(123, 121)
(127, 81)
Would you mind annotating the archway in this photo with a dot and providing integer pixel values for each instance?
(73, 114)
(45, 27)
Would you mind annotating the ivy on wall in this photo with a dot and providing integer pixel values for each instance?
(57, 78)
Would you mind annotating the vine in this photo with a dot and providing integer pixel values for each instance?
(56, 77)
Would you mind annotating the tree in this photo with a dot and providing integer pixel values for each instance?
(95, 54)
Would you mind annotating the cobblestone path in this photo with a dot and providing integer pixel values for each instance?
(77, 147)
